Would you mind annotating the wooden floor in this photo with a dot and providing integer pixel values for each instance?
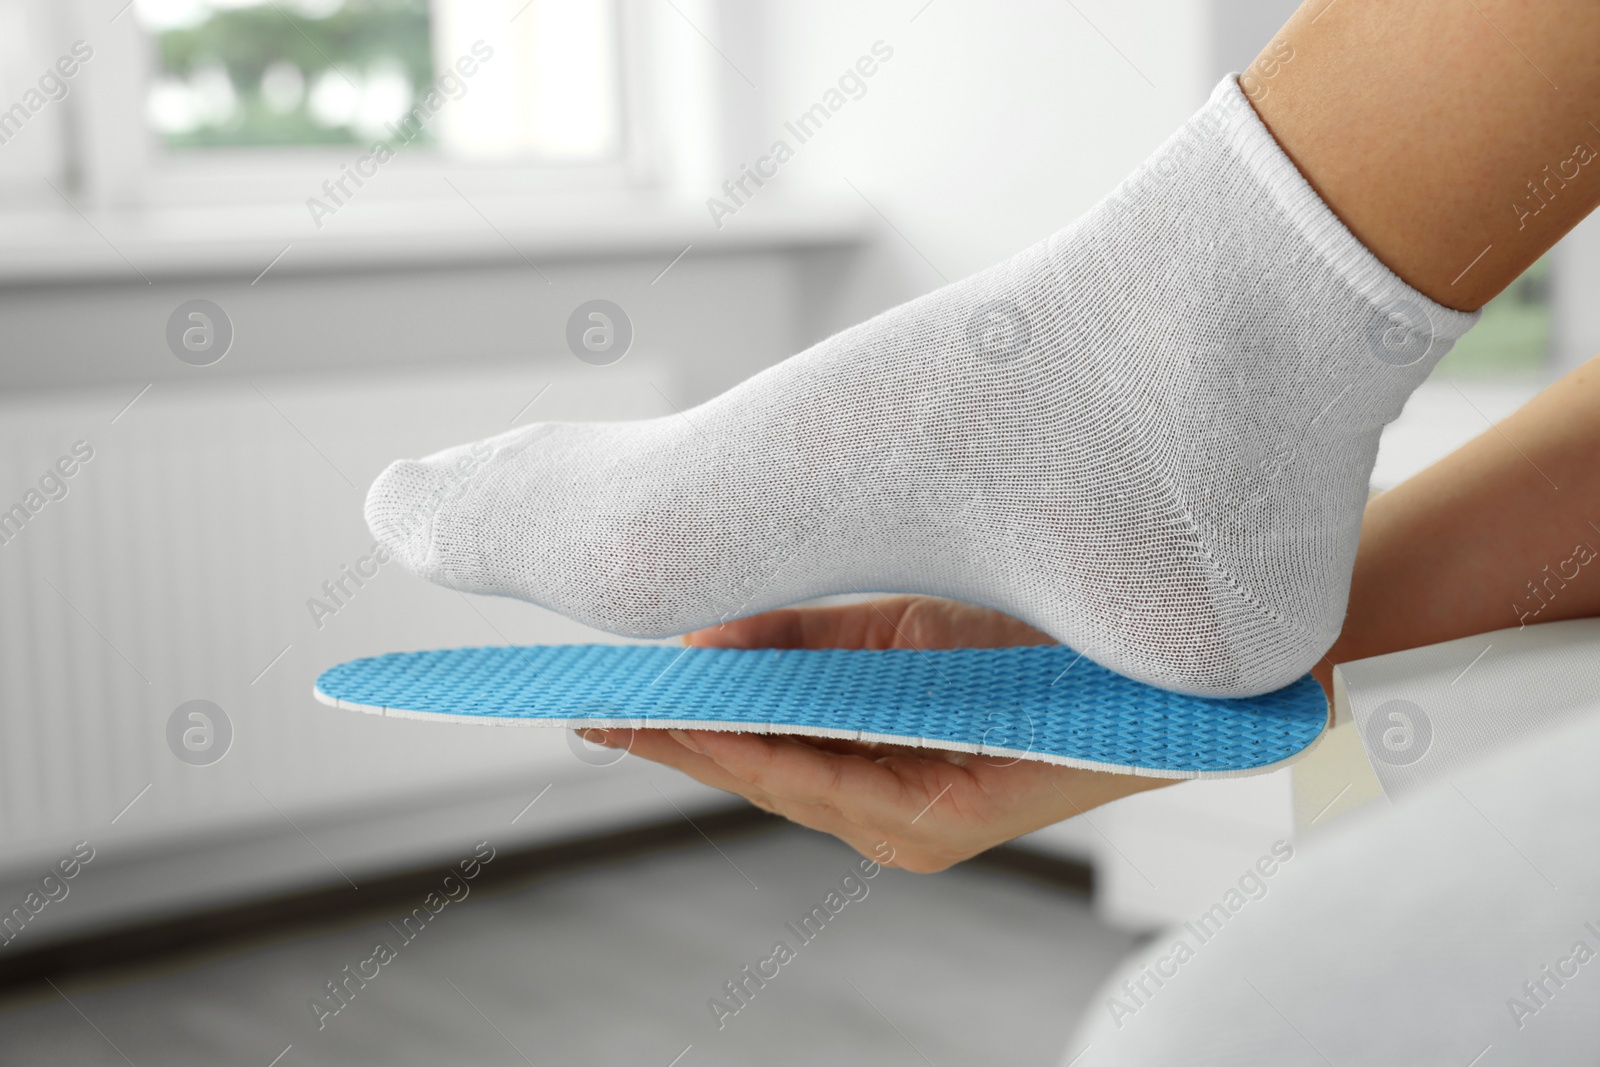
(615, 965)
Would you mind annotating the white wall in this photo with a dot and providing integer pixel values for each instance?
(992, 126)
(1575, 284)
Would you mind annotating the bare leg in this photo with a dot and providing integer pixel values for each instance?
(1504, 531)
(1458, 139)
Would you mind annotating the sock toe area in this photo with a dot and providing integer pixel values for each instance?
(401, 507)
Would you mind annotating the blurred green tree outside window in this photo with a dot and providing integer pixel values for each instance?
(233, 73)
(1513, 337)
(529, 80)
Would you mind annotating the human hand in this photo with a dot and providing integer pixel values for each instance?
(932, 807)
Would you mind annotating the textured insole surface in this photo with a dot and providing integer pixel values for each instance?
(1040, 702)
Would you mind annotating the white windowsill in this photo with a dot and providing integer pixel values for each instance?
(59, 245)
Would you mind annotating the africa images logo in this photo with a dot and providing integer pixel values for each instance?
(1398, 732)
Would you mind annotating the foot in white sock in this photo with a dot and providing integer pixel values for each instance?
(1149, 435)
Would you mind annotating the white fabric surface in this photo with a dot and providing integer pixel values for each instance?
(1425, 713)
(1419, 934)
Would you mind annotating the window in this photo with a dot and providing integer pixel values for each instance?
(265, 74)
(197, 103)
(1513, 337)
(477, 79)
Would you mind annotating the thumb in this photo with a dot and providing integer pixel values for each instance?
(869, 624)
(773, 629)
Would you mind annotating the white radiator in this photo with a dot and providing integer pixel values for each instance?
(180, 561)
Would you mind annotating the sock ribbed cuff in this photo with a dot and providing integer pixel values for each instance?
(1233, 118)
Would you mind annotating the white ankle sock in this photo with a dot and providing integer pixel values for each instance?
(1149, 435)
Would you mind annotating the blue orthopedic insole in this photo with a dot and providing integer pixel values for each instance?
(1041, 702)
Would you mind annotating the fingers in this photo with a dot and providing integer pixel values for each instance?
(809, 782)
(902, 808)
(931, 622)
(772, 629)
(796, 771)
(920, 622)
(834, 626)
(663, 747)
(666, 748)
(659, 747)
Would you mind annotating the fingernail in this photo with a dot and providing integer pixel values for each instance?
(596, 737)
(686, 741)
